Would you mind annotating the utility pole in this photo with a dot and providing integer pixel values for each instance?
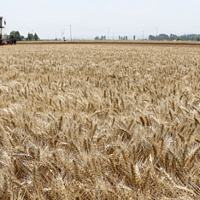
(156, 32)
(143, 35)
(70, 32)
(108, 32)
(62, 34)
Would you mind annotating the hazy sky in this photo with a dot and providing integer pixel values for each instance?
(90, 18)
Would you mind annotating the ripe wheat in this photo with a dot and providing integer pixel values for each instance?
(99, 122)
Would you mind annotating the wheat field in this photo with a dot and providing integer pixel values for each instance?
(99, 122)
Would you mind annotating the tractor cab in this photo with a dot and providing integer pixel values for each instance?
(1, 30)
(5, 39)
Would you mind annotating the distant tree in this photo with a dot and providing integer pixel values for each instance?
(163, 37)
(103, 37)
(123, 37)
(173, 37)
(189, 37)
(17, 35)
(22, 37)
(36, 38)
(31, 37)
(152, 37)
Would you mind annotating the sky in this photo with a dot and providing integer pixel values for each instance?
(51, 19)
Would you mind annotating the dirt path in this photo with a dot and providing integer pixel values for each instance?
(141, 43)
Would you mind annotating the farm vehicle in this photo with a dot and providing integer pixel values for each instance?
(5, 39)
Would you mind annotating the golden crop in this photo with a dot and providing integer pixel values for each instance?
(99, 122)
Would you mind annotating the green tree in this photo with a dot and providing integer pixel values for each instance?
(36, 38)
(17, 35)
(31, 37)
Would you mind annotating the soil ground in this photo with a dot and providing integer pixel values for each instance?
(148, 43)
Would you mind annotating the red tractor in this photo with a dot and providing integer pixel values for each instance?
(5, 39)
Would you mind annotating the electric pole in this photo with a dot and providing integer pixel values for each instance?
(156, 32)
(62, 34)
(70, 32)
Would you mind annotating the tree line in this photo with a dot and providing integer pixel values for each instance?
(162, 36)
(103, 37)
(19, 37)
(185, 37)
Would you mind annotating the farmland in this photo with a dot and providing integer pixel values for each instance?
(99, 122)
